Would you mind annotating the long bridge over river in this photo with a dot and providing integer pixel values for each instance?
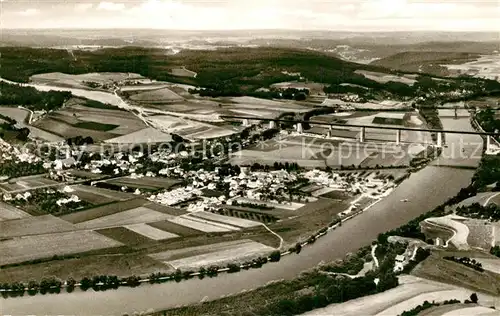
(490, 137)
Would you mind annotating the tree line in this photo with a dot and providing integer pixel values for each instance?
(31, 98)
(468, 262)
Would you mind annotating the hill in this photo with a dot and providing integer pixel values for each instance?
(425, 61)
(246, 65)
(233, 71)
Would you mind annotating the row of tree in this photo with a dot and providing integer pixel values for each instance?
(427, 305)
(488, 120)
(489, 212)
(471, 263)
(235, 91)
(29, 97)
(17, 169)
(495, 251)
(107, 282)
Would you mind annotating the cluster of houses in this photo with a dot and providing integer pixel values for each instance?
(20, 196)
(336, 181)
(73, 198)
(254, 186)
(13, 153)
(175, 196)
(119, 161)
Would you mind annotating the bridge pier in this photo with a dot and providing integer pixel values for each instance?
(440, 140)
(246, 122)
(329, 133)
(362, 135)
(272, 124)
(398, 137)
(299, 128)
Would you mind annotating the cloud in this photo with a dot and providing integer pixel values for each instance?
(353, 15)
(111, 6)
(82, 7)
(29, 12)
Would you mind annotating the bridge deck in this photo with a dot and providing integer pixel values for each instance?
(360, 126)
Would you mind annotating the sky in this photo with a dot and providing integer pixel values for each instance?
(341, 15)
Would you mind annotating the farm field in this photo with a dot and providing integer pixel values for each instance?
(161, 95)
(298, 225)
(368, 106)
(44, 224)
(214, 254)
(146, 135)
(195, 106)
(84, 266)
(104, 210)
(20, 115)
(490, 264)
(487, 66)
(132, 216)
(15, 113)
(481, 233)
(77, 81)
(126, 236)
(208, 223)
(411, 292)
(9, 212)
(65, 130)
(440, 270)
(85, 118)
(95, 126)
(177, 229)
(496, 199)
(187, 127)
(290, 206)
(250, 159)
(481, 198)
(165, 209)
(313, 87)
(459, 310)
(399, 159)
(150, 231)
(145, 182)
(238, 222)
(84, 174)
(143, 87)
(27, 248)
(384, 78)
(26, 183)
(201, 225)
(256, 113)
(183, 72)
(98, 196)
(212, 132)
(256, 103)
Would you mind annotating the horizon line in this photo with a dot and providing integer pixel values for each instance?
(245, 30)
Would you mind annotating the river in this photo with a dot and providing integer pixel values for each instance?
(424, 190)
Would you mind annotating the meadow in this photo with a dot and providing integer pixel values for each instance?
(83, 118)
(25, 248)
